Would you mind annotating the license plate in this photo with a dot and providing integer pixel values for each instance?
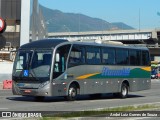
(27, 91)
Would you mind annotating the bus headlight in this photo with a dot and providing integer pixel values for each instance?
(43, 84)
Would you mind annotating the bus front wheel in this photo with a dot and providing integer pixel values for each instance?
(72, 92)
(39, 98)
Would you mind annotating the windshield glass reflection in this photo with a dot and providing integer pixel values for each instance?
(33, 64)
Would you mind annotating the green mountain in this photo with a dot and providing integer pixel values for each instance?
(121, 25)
(58, 21)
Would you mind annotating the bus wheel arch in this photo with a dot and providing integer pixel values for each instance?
(73, 91)
(126, 82)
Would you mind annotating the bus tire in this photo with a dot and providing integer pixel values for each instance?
(124, 91)
(39, 98)
(72, 93)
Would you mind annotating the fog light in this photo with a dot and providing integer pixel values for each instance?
(46, 93)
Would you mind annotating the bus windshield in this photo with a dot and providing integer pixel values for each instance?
(34, 64)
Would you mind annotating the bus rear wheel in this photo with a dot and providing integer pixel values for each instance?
(72, 92)
(124, 91)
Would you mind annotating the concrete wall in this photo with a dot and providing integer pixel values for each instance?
(6, 71)
(10, 9)
(25, 21)
(32, 22)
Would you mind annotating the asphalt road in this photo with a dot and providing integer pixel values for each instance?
(8, 102)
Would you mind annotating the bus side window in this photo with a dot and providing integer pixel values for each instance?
(122, 57)
(60, 60)
(76, 56)
(132, 57)
(93, 55)
(145, 58)
(135, 57)
(56, 65)
(108, 56)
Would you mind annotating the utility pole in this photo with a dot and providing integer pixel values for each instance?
(139, 19)
(158, 13)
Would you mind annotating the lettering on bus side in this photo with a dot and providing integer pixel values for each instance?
(121, 72)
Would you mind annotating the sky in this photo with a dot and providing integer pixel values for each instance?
(140, 14)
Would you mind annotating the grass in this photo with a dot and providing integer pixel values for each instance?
(101, 112)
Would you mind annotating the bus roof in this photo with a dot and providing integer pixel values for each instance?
(50, 43)
(45, 43)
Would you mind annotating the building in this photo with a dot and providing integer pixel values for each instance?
(22, 22)
(10, 12)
